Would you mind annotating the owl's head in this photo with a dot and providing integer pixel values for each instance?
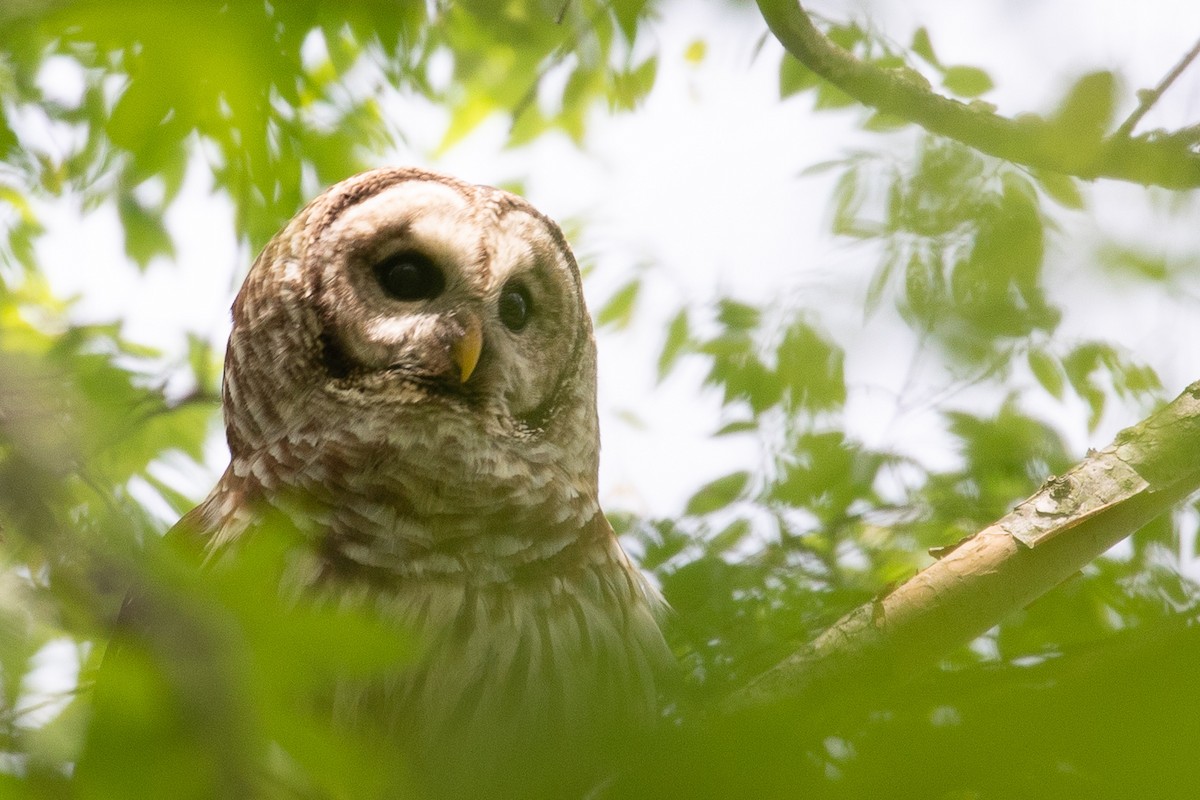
(409, 326)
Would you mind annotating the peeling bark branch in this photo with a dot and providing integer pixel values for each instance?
(1068, 522)
(1164, 159)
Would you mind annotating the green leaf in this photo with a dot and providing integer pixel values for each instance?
(811, 369)
(794, 77)
(145, 232)
(628, 14)
(19, 203)
(1080, 366)
(1063, 189)
(737, 316)
(695, 52)
(8, 139)
(922, 46)
(137, 113)
(831, 97)
(731, 345)
(1131, 262)
(527, 126)
(847, 36)
(730, 537)
(883, 122)
(1138, 379)
(739, 426)
(618, 311)
(967, 81)
(1048, 371)
(677, 341)
(632, 419)
(1087, 110)
(205, 365)
(466, 117)
(1076, 131)
(848, 198)
(630, 88)
(878, 285)
(717, 494)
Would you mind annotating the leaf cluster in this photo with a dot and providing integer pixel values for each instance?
(1084, 691)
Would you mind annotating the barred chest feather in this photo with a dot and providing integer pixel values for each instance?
(536, 656)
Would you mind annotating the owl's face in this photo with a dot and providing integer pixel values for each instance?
(409, 324)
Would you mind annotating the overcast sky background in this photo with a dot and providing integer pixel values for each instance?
(702, 184)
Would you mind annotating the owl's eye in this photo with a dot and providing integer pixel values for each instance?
(515, 306)
(410, 276)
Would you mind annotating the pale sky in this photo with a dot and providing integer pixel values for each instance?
(702, 184)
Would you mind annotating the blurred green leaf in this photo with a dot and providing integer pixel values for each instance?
(812, 368)
(1087, 109)
(717, 494)
(1047, 371)
(737, 316)
(967, 81)
(146, 234)
(1143, 265)
(1061, 188)
(794, 77)
(830, 97)
(922, 46)
(882, 122)
(695, 52)
(631, 87)
(618, 311)
(1076, 131)
(629, 14)
(677, 342)
(730, 536)
(740, 426)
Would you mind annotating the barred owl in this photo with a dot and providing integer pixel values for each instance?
(412, 358)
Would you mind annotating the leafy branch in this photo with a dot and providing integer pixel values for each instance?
(1067, 523)
(1073, 142)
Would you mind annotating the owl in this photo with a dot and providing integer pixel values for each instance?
(411, 379)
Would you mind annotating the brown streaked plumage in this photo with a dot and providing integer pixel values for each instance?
(412, 364)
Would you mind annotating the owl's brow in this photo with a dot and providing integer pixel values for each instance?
(370, 184)
(500, 203)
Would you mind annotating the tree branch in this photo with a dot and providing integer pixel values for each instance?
(1068, 522)
(1148, 97)
(1166, 160)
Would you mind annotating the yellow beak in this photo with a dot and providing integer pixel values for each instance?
(466, 349)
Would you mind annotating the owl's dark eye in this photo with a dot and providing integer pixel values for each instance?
(515, 306)
(410, 276)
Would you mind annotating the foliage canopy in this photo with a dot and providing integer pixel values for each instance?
(108, 104)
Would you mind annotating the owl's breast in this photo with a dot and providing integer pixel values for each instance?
(552, 669)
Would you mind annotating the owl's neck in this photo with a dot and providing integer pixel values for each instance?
(391, 527)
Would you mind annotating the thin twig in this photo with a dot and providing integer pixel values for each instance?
(1149, 97)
